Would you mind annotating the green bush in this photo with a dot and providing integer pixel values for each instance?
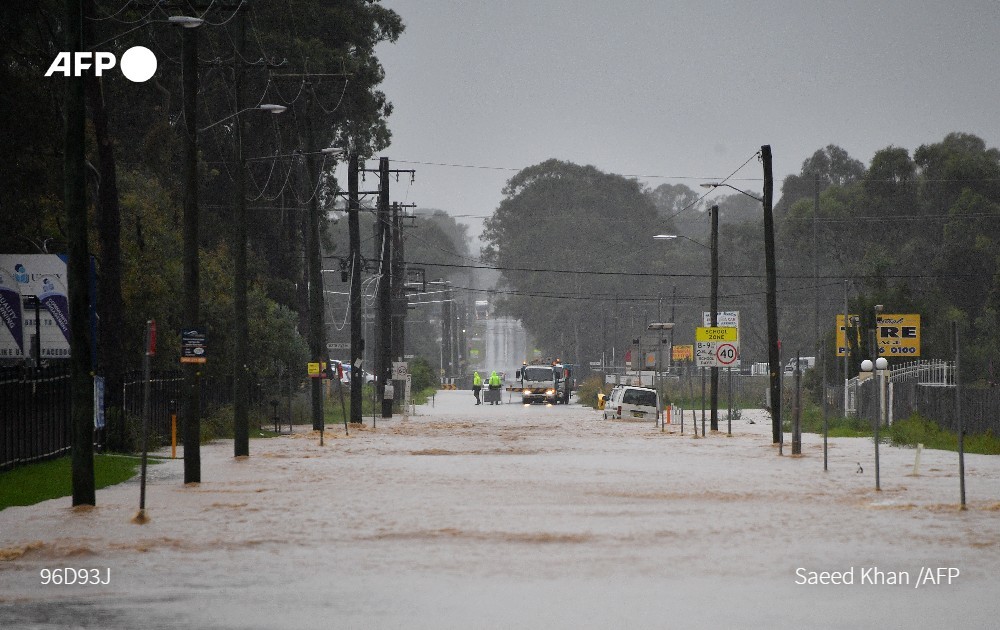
(916, 430)
(985, 444)
(919, 430)
(422, 375)
(838, 426)
(220, 423)
(586, 392)
(133, 436)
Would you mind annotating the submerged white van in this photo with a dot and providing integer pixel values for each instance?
(626, 402)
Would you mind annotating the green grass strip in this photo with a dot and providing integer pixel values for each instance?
(39, 482)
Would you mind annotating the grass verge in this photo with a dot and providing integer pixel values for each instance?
(904, 432)
(34, 483)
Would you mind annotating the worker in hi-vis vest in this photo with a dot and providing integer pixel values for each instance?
(495, 383)
(477, 386)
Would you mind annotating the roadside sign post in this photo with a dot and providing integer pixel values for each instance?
(406, 397)
(718, 346)
(193, 346)
(150, 350)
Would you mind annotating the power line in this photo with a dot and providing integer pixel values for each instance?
(650, 274)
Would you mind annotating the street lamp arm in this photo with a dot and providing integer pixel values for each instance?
(332, 152)
(742, 192)
(266, 107)
(667, 237)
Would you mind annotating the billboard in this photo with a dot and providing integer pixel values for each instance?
(898, 335)
(683, 353)
(842, 336)
(34, 306)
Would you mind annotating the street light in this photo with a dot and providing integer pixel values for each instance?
(714, 305)
(880, 366)
(659, 326)
(185, 21)
(773, 351)
(266, 107)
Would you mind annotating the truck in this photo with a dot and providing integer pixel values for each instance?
(550, 383)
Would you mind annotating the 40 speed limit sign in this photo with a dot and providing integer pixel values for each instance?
(726, 354)
(716, 353)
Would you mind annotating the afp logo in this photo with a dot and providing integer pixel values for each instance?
(138, 63)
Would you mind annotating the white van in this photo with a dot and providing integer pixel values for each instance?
(803, 363)
(627, 402)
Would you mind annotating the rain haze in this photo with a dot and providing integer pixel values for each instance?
(360, 510)
(676, 92)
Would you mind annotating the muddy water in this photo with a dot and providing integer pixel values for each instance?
(513, 516)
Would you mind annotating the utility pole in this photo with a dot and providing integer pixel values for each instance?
(241, 393)
(714, 422)
(314, 302)
(958, 415)
(383, 344)
(75, 198)
(317, 333)
(673, 315)
(357, 338)
(460, 345)
(390, 277)
(820, 346)
(446, 325)
(398, 277)
(192, 293)
(773, 358)
(400, 304)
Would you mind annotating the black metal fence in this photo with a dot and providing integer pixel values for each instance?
(34, 413)
(980, 407)
(165, 390)
(35, 408)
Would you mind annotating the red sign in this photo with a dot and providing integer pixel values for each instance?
(151, 337)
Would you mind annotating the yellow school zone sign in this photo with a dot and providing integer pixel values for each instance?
(717, 333)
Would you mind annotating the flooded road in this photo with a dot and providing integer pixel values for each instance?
(512, 516)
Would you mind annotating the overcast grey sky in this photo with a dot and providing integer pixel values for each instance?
(679, 91)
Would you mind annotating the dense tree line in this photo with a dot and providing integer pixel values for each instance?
(560, 236)
(315, 57)
(916, 234)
